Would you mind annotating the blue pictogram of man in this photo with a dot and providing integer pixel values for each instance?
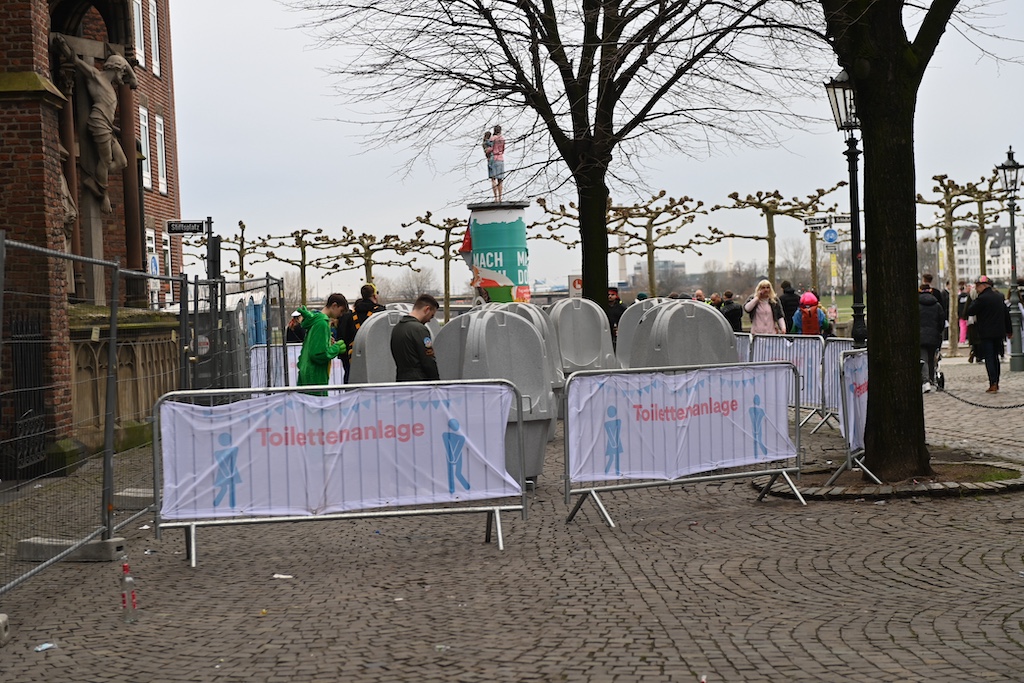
(613, 441)
(453, 445)
(757, 424)
(227, 470)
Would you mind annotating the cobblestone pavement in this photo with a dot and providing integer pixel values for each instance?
(698, 580)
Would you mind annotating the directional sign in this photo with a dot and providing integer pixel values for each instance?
(180, 227)
(831, 247)
(841, 218)
(816, 222)
(830, 236)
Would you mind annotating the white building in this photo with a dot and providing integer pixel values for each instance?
(997, 254)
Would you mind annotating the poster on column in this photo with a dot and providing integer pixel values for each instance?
(665, 426)
(294, 454)
(855, 399)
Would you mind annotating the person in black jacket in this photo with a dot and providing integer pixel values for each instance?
(992, 325)
(411, 345)
(350, 322)
(615, 311)
(790, 301)
(933, 321)
(733, 312)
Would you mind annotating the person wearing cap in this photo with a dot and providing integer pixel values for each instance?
(294, 334)
(318, 347)
(992, 327)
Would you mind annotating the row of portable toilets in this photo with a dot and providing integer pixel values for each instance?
(537, 349)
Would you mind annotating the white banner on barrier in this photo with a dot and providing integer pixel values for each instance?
(665, 426)
(802, 351)
(855, 400)
(295, 454)
(258, 367)
(832, 386)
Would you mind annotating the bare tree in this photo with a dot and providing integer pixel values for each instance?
(446, 245)
(654, 225)
(886, 64)
(772, 204)
(306, 243)
(714, 272)
(407, 285)
(794, 259)
(589, 89)
(984, 192)
(366, 251)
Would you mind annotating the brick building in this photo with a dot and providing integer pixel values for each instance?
(56, 191)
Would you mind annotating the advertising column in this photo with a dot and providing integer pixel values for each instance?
(500, 260)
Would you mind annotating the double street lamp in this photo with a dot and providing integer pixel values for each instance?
(840, 95)
(1009, 173)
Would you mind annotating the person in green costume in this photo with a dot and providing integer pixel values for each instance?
(318, 347)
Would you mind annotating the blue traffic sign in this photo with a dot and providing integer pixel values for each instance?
(830, 236)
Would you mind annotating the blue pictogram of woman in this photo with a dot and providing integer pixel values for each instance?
(757, 423)
(227, 470)
(453, 445)
(613, 441)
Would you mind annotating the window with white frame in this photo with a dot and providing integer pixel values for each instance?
(154, 37)
(147, 166)
(140, 41)
(167, 254)
(161, 155)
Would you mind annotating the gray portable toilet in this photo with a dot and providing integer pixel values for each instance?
(682, 332)
(627, 327)
(399, 306)
(536, 315)
(450, 345)
(371, 349)
(503, 345)
(584, 335)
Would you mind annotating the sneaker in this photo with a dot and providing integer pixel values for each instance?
(994, 388)
(926, 388)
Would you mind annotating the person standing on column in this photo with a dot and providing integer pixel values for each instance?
(992, 325)
(318, 348)
(411, 343)
(102, 94)
(496, 166)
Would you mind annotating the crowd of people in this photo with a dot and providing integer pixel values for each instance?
(329, 333)
(767, 312)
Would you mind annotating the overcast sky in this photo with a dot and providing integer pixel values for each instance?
(258, 141)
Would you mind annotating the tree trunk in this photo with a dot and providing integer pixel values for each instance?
(982, 238)
(770, 220)
(954, 279)
(593, 212)
(894, 438)
(814, 261)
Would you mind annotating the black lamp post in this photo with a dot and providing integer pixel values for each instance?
(1009, 173)
(840, 96)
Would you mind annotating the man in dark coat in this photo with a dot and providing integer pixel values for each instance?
(790, 301)
(615, 310)
(411, 343)
(932, 323)
(992, 325)
(732, 311)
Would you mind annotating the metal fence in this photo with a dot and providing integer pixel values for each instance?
(78, 382)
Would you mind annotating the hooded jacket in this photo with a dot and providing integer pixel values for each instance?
(350, 323)
(933, 319)
(318, 350)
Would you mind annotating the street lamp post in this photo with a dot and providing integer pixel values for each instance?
(840, 95)
(1009, 173)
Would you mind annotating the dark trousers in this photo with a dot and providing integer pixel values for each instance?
(928, 363)
(990, 349)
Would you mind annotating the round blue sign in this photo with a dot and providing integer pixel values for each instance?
(830, 236)
(154, 266)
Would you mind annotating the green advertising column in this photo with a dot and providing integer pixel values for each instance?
(500, 260)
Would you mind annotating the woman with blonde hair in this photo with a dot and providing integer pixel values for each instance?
(766, 314)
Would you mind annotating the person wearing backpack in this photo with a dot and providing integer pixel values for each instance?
(809, 319)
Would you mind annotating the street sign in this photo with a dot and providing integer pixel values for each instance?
(816, 222)
(831, 247)
(180, 227)
(575, 286)
(830, 236)
(841, 218)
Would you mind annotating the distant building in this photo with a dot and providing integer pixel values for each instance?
(997, 254)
